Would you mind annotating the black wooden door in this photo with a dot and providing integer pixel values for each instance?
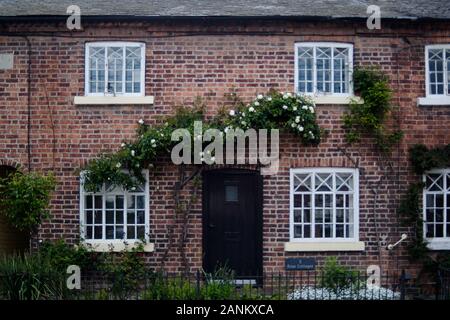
(232, 223)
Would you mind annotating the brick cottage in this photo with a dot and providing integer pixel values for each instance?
(333, 199)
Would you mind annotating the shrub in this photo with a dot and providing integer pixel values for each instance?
(337, 277)
(24, 199)
(60, 255)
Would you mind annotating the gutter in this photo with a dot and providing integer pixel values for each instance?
(45, 18)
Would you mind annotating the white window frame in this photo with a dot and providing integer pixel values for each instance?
(355, 237)
(107, 44)
(444, 47)
(331, 45)
(435, 243)
(113, 242)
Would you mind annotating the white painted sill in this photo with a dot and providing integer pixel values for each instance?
(116, 246)
(438, 244)
(434, 101)
(323, 246)
(111, 100)
(330, 99)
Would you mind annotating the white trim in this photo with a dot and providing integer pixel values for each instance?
(331, 45)
(110, 100)
(117, 246)
(436, 243)
(434, 100)
(101, 244)
(333, 99)
(324, 246)
(439, 99)
(355, 237)
(107, 44)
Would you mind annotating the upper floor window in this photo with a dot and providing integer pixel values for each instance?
(436, 207)
(324, 204)
(323, 68)
(115, 68)
(438, 70)
(113, 214)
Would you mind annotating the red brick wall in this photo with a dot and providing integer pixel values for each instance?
(189, 59)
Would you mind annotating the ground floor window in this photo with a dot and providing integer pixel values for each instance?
(112, 213)
(324, 204)
(436, 205)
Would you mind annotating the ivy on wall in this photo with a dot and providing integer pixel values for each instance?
(369, 118)
(293, 113)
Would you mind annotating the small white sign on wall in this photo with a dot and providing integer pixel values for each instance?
(6, 61)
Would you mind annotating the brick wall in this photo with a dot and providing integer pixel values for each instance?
(209, 59)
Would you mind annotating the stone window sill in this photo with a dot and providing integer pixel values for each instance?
(111, 100)
(330, 99)
(116, 246)
(323, 246)
(441, 244)
(434, 101)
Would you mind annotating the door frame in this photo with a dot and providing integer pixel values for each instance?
(258, 218)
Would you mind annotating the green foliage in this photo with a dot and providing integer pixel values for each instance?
(424, 159)
(125, 270)
(24, 198)
(30, 277)
(162, 288)
(410, 212)
(337, 277)
(60, 255)
(274, 111)
(294, 113)
(369, 117)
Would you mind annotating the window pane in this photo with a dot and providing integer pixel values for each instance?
(305, 69)
(131, 232)
(140, 232)
(109, 217)
(323, 67)
(140, 217)
(436, 71)
(97, 65)
(297, 231)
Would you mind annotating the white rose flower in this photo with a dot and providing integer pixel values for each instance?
(293, 125)
(141, 121)
(294, 108)
(243, 123)
(311, 109)
(300, 128)
(256, 103)
(118, 165)
(285, 96)
(154, 145)
(285, 107)
(297, 119)
(152, 141)
(305, 107)
(260, 96)
(269, 98)
(243, 114)
(123, 145)
(133, 188)
(251, 109)
(232, 113)
(289, 94)
(133, 153)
